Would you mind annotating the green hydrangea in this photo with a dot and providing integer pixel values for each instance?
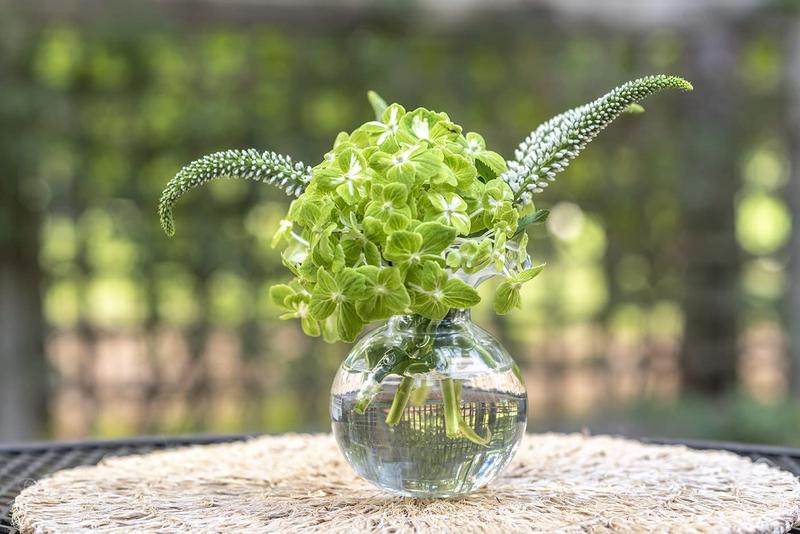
(407, 213)
(390, 219)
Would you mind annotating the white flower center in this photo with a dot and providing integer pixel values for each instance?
(421, 128)
(354, 169)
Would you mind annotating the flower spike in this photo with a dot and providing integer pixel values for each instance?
(268, 167)
(549, 149)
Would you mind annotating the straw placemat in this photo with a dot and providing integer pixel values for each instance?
(556, 483)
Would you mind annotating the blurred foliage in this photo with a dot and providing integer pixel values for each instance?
(103, 115)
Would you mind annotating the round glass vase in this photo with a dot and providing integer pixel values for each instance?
(427, 408)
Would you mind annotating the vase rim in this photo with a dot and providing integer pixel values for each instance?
(453, 315)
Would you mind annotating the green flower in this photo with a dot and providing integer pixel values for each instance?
(475, 256)
(426, 243)
(385, 130)
(294, 303)
(311, 211)
(457, 171)
(390, 206)
(507, 296)
(325, 248)
(433, 292)
(360, 252)
(517, 251)
(347, 174)
(504, 220)
(425, 125)
(496, 194)
(450, 209)
(339, 295)
(500, 253)
(386, 294)
(410, 165)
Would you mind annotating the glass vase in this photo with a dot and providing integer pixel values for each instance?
(427, 408)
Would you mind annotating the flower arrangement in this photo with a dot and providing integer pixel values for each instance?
(406, 215)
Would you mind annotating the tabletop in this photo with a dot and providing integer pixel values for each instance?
(23, 464)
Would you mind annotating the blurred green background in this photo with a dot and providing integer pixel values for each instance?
(671, 301)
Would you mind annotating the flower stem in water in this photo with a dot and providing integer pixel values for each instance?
(450, 403)
(400, 400)
(473, 436)
(419, 394)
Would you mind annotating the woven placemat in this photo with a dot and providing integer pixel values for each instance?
(556, 483)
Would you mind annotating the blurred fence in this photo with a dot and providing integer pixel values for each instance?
(668, 248)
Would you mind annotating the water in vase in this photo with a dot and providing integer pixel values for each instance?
(414, 456)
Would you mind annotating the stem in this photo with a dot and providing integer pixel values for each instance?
(400, 400)
(300, 239)
(518, 373)
(473, 436)
(420, 393)
(365, 396)
(454, 422)
(450, 402)
(486, 357)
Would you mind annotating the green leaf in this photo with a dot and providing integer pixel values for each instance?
(484, 170)
(490, 164)
(378, 104)
(538, 216)
(529, 274)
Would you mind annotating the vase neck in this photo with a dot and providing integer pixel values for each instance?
(458, 315)
(416, 322)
